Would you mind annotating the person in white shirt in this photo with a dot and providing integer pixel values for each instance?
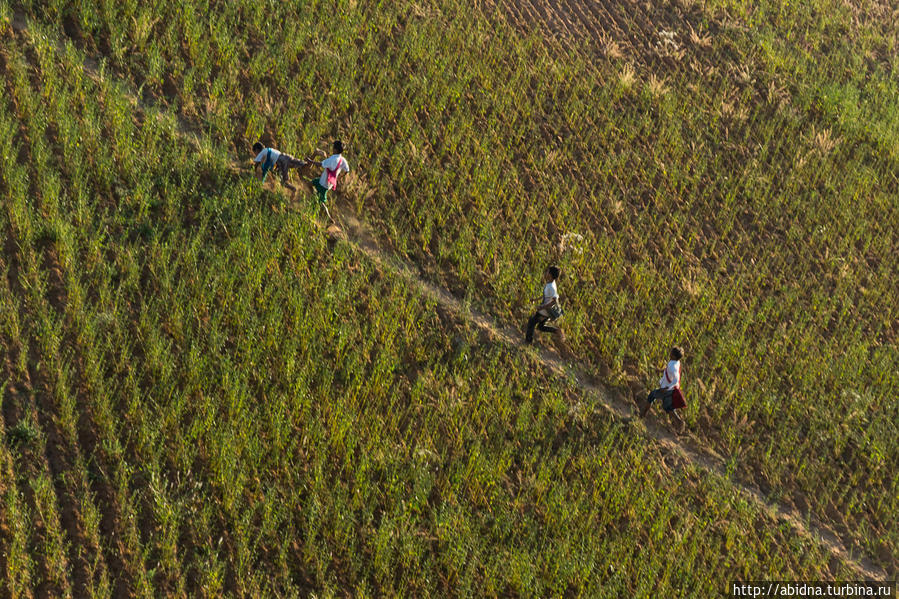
(669, 389)
(270, 158)
(332, 166)
(550, 309)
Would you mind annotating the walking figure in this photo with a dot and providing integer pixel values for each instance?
(332, 166)
(550, 309)
(669, 390)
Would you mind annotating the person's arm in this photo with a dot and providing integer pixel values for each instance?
(546, 306)
(318, 163)
(332, 163)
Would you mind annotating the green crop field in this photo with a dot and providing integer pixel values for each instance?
(204, 393)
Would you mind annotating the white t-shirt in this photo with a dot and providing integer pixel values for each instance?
(671, 375)
(260, 157)
(329, 164)
(549, 292)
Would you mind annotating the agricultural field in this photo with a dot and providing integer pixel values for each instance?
(205, 394)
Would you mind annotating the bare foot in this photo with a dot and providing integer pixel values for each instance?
(677, 424)
(643, 406)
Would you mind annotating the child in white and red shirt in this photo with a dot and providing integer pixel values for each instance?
(669, 389)
(332, 166)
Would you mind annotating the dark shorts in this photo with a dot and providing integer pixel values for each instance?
(665, 396)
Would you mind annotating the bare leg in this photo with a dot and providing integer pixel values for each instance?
(562, 344)
(298, 165)
(328, 213)
(677, 421)
(284, 168)
(644, 407)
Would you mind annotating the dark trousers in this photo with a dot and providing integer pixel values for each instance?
(538, 321)
(284, 164)
(664, 395)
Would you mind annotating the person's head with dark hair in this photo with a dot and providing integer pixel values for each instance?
(677, 353)
(338, 146)
(552, 273)
(258, 147)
